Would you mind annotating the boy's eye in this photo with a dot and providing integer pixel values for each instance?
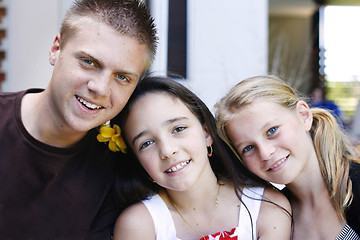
(179, 129)
(89, 62)
(271, 131)
(122, 77)
(248, 148)
(145, 144)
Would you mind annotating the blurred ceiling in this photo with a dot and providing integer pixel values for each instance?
(303, 7)
(292, 7)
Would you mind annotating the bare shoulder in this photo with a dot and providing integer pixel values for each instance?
(277, 197)
(135, 222)
(274, 221)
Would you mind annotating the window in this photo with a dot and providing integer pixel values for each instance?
(171, 56)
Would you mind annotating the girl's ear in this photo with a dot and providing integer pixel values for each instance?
(54, 50)
(305, 114)
(208, 137)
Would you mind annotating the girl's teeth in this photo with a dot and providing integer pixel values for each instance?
(278, 163)
(178, 167)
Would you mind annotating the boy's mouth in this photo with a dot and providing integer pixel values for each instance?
(87, 104)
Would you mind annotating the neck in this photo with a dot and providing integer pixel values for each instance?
(193, 198)
(43, 124)
(207, 208)
(309, 183)
(314, 214)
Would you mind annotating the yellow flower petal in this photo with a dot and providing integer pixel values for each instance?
(107, 132)
(100, 138)
(117, 129)
(115, 137)
(121, 144)
(113, 147)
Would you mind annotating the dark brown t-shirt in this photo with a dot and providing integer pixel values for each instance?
(48, 192)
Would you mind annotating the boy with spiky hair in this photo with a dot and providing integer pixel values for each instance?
(56, 179)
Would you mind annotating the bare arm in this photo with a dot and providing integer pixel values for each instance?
(273, 221)
(135, 223)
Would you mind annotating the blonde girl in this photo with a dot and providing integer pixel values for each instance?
(279, 138)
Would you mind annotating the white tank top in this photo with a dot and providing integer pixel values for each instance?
(246, 229)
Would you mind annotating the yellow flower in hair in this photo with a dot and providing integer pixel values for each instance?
(113, 136)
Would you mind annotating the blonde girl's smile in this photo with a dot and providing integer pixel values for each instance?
(278, 164)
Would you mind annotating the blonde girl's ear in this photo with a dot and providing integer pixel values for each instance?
(54, 50)
(305, 114)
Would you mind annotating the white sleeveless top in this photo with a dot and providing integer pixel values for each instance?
(246, 229)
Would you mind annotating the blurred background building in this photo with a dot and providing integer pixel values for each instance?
(210, 45)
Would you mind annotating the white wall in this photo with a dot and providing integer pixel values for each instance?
(31, 29)
(227, 42)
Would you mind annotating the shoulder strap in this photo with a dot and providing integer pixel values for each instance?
(250, 208)
(164, 225)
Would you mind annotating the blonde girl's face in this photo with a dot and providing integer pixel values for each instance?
(273, 141)
(169, 141)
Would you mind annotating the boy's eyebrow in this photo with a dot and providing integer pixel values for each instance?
(167, 122)
(101, 64)
(91, 57)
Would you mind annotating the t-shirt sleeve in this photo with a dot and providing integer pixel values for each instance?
(103, 224)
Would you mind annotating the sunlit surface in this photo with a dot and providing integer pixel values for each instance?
(341, 41)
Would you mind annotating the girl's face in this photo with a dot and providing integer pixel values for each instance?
(169, 141)
(273, 141)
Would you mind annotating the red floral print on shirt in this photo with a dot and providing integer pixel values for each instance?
(222, 236)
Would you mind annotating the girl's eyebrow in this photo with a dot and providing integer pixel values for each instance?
(138, 136)
(167, 122)
(172, 120)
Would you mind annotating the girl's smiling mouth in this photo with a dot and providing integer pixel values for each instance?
(278, 164)
(178, 166)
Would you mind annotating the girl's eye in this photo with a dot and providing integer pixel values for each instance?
(248, 148)
(271, 131)
(146, 144)
(179, 129)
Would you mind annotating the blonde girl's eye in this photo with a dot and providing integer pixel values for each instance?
(271, 131)
(145, 144)
(247, 148)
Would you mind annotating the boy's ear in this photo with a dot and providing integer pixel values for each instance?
(54, 50)
(305, 114)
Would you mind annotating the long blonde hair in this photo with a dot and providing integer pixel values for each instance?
(333, 148)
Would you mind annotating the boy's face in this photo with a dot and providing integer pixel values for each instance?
(94, 75)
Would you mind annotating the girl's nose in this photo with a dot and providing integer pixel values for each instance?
(167, 149)
(266, 150)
